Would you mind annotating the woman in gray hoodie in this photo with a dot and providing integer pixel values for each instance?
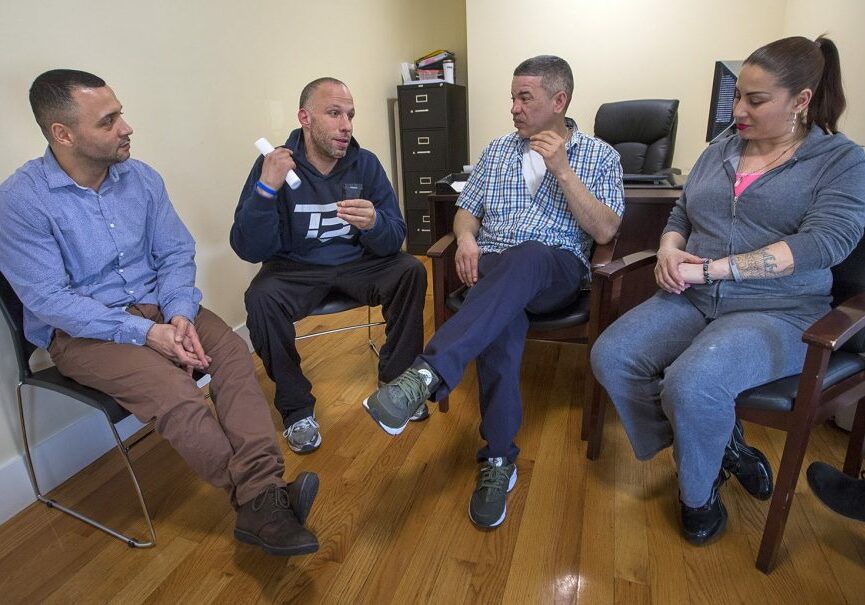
(744, 267)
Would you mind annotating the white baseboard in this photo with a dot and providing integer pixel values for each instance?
(57, 458)
(66, 452)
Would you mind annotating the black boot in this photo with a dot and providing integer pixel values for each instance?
(748, 464)
(843, 494)
(702, 524)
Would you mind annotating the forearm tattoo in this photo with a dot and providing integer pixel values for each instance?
(760, 264)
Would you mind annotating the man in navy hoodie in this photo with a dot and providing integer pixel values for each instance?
(341, 230)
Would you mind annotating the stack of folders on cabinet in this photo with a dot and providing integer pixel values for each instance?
(431, 65)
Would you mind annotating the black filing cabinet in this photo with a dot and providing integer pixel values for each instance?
(433, 134)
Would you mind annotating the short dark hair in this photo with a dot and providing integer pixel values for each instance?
(554, 71)
(51, 96)
(310, 88)
(798, 63)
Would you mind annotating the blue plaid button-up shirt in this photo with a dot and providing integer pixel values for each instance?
(78, 257)
(496, 193)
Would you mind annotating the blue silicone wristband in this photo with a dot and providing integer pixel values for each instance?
(265, 188)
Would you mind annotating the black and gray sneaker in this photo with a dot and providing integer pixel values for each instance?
(420, 414)
(748, 464)
(488, 505)
(394, 404)
(705, 523)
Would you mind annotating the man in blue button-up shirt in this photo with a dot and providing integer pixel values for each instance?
(104, 268)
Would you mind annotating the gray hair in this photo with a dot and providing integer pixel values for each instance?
(555, 74)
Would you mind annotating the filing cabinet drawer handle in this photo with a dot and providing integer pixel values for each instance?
(420, 98)
(423, 140)
(425, 180)
(422, 152)
(419, 111)
(423, 191)
(422, 230)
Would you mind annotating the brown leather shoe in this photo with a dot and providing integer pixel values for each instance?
(301, 494)
(268, 521)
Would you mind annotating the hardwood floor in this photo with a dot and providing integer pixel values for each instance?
(392, 520)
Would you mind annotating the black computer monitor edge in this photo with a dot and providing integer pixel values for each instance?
(721, 102)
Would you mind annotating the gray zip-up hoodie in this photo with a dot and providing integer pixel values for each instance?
(815, 202)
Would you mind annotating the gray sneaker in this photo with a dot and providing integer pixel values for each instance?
(393, 405)
(420, 414)
(303, 435)
(488, 505)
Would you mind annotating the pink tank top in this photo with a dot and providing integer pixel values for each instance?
(743, 181)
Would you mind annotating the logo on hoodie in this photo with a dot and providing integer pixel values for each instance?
(323, 222)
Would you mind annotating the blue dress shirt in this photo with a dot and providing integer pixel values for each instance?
(77, 258)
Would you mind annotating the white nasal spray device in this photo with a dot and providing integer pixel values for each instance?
(264, 147)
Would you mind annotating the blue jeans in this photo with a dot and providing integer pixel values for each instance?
(491, 327)
(674, 374)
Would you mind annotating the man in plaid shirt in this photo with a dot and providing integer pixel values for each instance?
(525, 226)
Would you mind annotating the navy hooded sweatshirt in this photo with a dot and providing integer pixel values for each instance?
(301, 225)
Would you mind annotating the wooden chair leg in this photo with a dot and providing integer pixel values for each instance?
(785, 489)
(589, 404)
(598, 405)
(853, 461)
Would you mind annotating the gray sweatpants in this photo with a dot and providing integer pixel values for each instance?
(674, 374)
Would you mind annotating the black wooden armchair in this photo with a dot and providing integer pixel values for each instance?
(581, 322)
(833, 376)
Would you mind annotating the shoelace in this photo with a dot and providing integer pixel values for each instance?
(300, 425)
(412, 386)
(494, 477)
(280, 499)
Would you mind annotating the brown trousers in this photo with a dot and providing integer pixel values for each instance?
(235, 449)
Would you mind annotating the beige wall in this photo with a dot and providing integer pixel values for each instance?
(844, 22)
(200, 80)
(631, 49)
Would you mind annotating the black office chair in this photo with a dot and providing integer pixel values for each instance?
(580, 322)
(336, 302)
(644, 134)
(53, 380)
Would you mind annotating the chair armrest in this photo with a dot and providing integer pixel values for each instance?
(444, 275)
(440, 248)
(839, 325)
(603, 253)
(620, 267)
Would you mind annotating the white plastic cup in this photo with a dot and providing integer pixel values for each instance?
(448, 67)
